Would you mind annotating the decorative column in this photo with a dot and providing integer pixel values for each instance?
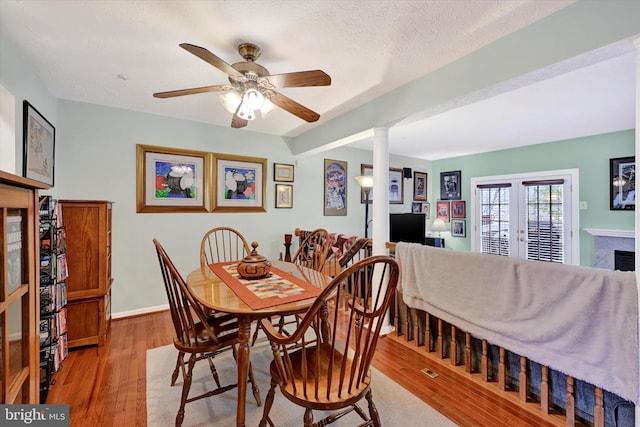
(381, 202)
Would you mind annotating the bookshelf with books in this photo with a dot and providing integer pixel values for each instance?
(53, 293)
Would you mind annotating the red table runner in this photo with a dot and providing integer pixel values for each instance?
(279, 287)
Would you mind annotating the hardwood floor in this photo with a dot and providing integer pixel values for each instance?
(106, 386)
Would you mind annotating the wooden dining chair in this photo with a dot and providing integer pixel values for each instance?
(202, 336)
(329, 369)
(312, 253)
(313, 250)
(223, 244)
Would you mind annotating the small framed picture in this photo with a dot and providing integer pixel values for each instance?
(622, 176)
(442, 210)
(426, 209)
(458, 228)
(282, 172)
(458, 209)
(416, 207)
(450, 186)
(419, 186)
(39, 139)
(284, 196)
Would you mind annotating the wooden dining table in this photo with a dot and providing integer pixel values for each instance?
(212, 292)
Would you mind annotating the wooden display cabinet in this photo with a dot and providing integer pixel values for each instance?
(88, 229)
(19, 285)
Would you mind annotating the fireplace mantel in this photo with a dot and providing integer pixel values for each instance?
(610, 233)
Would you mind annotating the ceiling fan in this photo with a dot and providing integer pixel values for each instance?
(251, 88)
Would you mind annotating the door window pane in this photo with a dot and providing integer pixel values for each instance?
(545, 222)
(495, 231)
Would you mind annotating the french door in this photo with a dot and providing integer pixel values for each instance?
(531, 216)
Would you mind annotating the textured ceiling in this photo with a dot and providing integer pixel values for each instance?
(118, 53)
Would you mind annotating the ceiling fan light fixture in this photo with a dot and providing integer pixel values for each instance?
(246, 113)
(253, 99)
(231, 100)
(267, 108)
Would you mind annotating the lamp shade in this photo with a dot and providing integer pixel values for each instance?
(438, 225)
(231, 100)
(365, 181)
(253, 99)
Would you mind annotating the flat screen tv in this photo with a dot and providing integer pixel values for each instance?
(407, 227)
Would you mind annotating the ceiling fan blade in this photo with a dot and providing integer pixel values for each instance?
(300, 79)
(192, 91)
(212, 59)
(294, 108)
(237, 122)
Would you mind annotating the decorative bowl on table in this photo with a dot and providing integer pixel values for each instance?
(254, 265)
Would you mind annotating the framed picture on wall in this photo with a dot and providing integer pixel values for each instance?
(458, 209)
(396, 185)
(458, 228)
(171, 180)
(622, 176)
(426, 210)
(450, 185)
(284, 196)
(335, 188)
(39, 139)
(442, 210)
(238, 183)
(419, 186)
(282, 172)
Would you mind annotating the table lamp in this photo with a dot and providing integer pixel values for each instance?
(438, 225)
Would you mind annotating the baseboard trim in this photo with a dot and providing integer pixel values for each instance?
(139, 312)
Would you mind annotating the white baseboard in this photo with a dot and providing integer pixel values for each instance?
(138, 312)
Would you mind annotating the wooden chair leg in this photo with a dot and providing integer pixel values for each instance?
(185, 390)
(179, 364)
(255, 335)
(308, 418)
(214, 371)
(267, 405)
(254, 386)
(373, 411)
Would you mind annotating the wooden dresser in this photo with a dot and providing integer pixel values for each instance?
(88, 229)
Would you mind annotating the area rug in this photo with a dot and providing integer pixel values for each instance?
(397, 406)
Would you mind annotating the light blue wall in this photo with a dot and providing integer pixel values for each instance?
(589, 154)
(96, 159)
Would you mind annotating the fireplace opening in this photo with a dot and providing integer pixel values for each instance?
(624, 260)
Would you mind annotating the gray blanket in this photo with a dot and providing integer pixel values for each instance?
(578, 320)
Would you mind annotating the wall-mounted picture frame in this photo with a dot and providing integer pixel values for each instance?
(442, 210)
(396, 185)
(622, 178)
(284, 196)
(419, 186)
(171, 180)
(458, 209)
(450, 185)
(416, 207)
(39, 140)
(458, 228)
(426, 210)
(335, 188)
(238, 183)
(282, 172)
